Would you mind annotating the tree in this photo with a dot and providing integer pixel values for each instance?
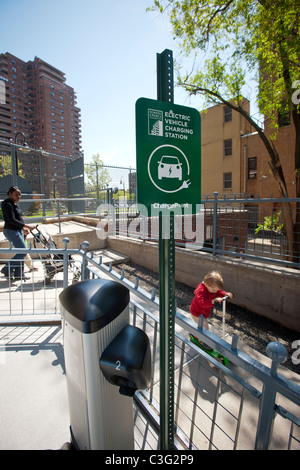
(98, 176)
(6, 166)
(238, 39)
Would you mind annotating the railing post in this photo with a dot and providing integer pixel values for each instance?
(278, 353)
(58, 215)
(84, 271)
(66, 263)
(215, 223)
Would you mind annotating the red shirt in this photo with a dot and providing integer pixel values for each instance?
(202, 301)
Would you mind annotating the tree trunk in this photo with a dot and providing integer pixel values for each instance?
(292, 224)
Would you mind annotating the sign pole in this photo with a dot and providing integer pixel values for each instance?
(165, 92)
(168, 146)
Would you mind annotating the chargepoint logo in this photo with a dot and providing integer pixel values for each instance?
(2, 92)
(133, 221)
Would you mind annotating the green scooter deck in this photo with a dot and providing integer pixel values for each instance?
(213, 353)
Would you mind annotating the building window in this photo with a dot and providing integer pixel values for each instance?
(227, 147)
(227, 182)
(284, 119)
(252, 168)
(227, 114)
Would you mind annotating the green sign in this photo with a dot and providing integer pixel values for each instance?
(168, 147)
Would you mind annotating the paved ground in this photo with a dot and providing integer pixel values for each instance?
(34, 405)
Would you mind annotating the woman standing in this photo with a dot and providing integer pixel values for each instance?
(13, 231)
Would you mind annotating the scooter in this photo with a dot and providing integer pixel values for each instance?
(212, 352)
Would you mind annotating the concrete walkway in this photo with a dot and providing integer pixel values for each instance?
(34, 410)
(34, 406)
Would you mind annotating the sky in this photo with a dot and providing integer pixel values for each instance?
(107, 49)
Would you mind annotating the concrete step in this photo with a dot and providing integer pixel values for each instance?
(109, 256)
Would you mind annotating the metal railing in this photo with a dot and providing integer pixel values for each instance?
(244, 405)
(261, 229)
(46, 273)
(257, 229)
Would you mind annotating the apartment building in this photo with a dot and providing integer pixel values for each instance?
(221, 161)
(37, 106)
(234, 158)
(258, 176)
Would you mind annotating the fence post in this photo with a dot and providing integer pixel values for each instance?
(278, 353)
(84, 270)
(66, 263)
(215, 223)
(58, 215)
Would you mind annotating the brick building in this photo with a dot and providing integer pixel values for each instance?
(41, 106)
(221, 130)
(234, 158)
(258, 177)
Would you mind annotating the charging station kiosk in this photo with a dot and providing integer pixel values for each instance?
(106, 361)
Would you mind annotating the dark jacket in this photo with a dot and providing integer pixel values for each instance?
(12, 215)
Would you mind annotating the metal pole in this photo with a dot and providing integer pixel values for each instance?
(215, 223)
(165, 92)
(278, 353)
(97, 182)
(167, 317)
(42, 181)
(14, 164)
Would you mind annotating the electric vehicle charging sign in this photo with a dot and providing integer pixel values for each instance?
(168, 148)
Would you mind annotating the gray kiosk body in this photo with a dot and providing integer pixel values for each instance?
(106, 361)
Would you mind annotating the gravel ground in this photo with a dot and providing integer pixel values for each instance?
(252, 329)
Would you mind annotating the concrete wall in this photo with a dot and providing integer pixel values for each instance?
(259, 288)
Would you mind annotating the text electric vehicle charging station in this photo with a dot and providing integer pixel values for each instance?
(106, 361)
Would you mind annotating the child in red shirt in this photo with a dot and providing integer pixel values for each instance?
(205, 295)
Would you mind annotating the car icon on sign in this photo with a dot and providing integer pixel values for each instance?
(169, 167)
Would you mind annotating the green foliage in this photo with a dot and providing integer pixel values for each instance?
(97, 174)
(6, 167)
(271, 223)
(235, 39)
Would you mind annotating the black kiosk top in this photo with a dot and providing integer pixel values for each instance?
(92, 304)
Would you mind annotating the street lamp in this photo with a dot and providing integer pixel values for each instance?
(24, 138)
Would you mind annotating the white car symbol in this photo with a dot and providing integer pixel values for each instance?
(169, 167)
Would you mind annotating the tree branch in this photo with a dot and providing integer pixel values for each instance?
(219, 10)
(275, 160)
